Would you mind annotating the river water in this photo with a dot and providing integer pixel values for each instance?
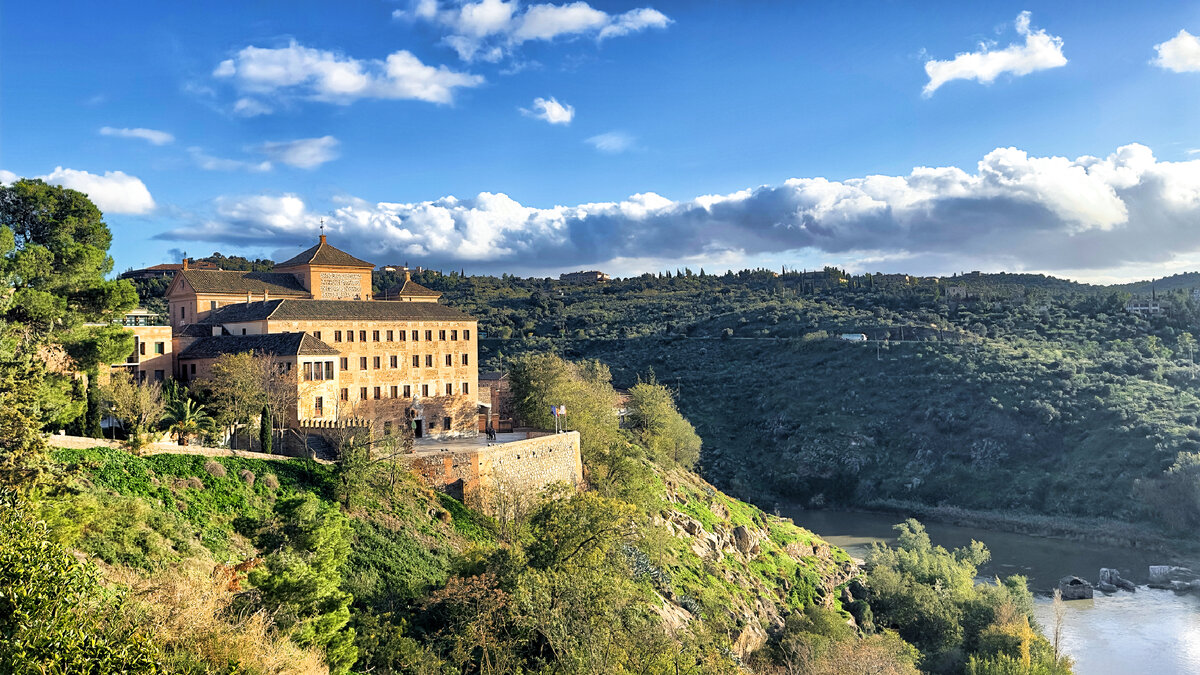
(1150, 631)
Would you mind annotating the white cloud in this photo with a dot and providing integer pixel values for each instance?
(550, 110)
(1180, 54)
(303, 153)
(303, 72)
(210, 163)
(251, 107)
(489, 30)
(1039, 52)
(114, 192)
(8, 177)
(152, 136)
(612, 142)
(1088, 215)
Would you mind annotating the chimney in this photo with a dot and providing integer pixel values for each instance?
(247, 297)
(266, 295)
(185, 263)
(407, 274)
(322, 240)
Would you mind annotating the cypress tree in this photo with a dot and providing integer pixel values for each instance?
(264, 430)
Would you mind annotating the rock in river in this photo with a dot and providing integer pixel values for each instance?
(1074, 588)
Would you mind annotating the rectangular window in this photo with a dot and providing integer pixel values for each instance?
(212, 304)
(466, 388)
(429, 336)
(362, 363)
(466, 335)
(345, 394)
(377, 394)
(141, 375)
(337, 336)
(142, 348)
(449, 389)
(407, 391)
(453, 335)
(425, 390)
(182, 311)
(415, 335)
(328, 370)
(403, 335)
(319, 406)
(429, 360)
(466, 360)
(449, 359)
(349, 336)
(243, 331)
(362, 393)
(345, 363)
(391, 336)
(441, 335)
(159, 348)
(308, 372)
(395, 391)
(446, 423)
(375, 336)
(394, 361)
(362, 336)
(193, 369)
(377, 363)
(416, 361)
(159, 375)
(387, 428)
(317, 334)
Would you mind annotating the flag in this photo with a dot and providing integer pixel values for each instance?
(558, 410)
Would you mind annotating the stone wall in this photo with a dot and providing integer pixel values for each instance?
(520, 468)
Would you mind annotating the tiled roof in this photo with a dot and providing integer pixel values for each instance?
(491, 375)
(240, 283)
(327, 310)
(324, 254)
(282, 344)
(411, 287)
(193, 330)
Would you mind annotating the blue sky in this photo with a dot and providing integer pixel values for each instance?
(537, 138)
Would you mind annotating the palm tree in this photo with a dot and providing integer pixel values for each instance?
(186, 418)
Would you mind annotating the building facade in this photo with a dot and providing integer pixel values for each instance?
(409, 360)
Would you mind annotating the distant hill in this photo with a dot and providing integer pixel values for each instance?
(1184, 281)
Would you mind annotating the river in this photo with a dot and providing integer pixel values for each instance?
(1150, 631)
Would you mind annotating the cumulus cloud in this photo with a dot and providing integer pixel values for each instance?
(1180, 54)
(550, 110)
(152, 136)
(612, 142)
(1011, 211)
(1039, 52)
(303, 153)
(113, 192)
(8, 177)
(314, 74)
(489, 30)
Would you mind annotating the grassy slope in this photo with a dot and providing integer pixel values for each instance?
(153, 512)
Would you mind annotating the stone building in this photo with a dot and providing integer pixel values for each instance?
(408, 360)
(589, 277)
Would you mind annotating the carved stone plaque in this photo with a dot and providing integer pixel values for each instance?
(339, 286)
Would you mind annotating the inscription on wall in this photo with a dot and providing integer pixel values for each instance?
(340, 286)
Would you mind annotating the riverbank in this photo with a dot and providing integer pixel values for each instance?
(1103, 531)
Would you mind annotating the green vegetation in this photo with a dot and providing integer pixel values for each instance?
(1030, 394)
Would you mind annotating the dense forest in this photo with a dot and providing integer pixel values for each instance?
(1013, 392)
(111, 561)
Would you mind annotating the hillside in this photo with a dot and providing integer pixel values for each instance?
(1036, 401)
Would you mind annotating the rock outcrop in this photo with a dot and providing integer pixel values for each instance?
(1174, 578)
(1074, 588)
(1111, 581)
